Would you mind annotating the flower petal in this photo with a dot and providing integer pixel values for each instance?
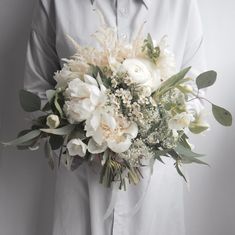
(94, 148)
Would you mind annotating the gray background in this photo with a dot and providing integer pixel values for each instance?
(26, 183)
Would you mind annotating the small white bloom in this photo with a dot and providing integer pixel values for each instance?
(180, 121)
(143, 71)
(53, 121)
(76, 147)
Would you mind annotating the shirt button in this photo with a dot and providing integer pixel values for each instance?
(123, 11)
(123, 35)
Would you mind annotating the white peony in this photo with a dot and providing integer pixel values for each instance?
(111, 132)
(143, 71)
(83, 97)
(53, 121)
(76, 147)
(180, 121)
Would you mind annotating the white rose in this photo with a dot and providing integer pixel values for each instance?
(76, 147)
(143, 71)
(83, 97)
(180, 121)
(53, 121)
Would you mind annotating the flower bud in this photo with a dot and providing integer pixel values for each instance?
(53, 121)
(76, 147)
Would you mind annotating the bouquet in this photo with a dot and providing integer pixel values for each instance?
(122, 105)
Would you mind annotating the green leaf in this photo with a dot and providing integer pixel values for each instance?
(222, 115)
(49, 154)
(177, 166)
(50, 94)
(29, 101)
(159, 153)
(152, 52)
(183, 141)
(57, 105)
(206, 79)
(24, 138)
(33, 143)
(197, 129)
(172, 82)
(65, 130)
(186, 155)
(47, 107)
(181, 150)
(56, 141)
(189, 159)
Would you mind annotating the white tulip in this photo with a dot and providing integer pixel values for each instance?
(76, 147)
(180, 121)
(53, 121)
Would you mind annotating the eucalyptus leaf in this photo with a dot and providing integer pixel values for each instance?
(206, 79)
(189, 159)
(172, 82)
(222, 115)
(65, 130)
(29, 101)
(181, 150)
(32, 144)
(57, 105)
(197, 129)
(50, 94)
(24, 138)
(177, 166)
(183, 141)
(46, 107)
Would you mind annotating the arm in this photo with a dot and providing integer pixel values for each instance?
(41, 57)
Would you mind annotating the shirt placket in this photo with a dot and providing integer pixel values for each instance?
(123, 13)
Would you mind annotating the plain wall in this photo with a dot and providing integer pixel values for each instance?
(26, 182)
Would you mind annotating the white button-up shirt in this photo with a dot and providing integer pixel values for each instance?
(82, 205)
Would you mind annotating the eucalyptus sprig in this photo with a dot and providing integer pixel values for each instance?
(152, 52)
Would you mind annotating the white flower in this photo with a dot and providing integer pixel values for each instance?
(76, 147)
(180, 121)
(53, 121)
(83, 98)
(111, 132)
(143, 71)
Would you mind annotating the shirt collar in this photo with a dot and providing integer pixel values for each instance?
(145, 2)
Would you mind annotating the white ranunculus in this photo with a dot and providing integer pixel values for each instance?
(83, 97)
(53, 121)
(143, 71)
(76, 147)
(111, 132)
(180, 121)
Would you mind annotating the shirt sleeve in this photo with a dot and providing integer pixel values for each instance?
(194, 54)
(41, 57)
